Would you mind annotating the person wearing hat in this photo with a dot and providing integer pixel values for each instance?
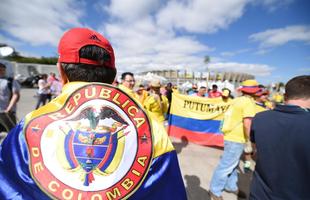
(156, 103)
(260, 97)
(280, 140)
(226, 95)
(47, 155)
(261, 100)
(141, 93)
(263, 97)
(236, 129)
(9, 96)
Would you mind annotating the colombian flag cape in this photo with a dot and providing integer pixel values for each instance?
(198, 119)
(92, 142)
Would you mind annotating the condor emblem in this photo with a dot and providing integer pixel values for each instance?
(97, 146)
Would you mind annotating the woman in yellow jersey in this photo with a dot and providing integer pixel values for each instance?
(226, 95)
(156, 103)
(142, 94)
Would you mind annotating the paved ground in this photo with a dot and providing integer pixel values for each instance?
(197, 162)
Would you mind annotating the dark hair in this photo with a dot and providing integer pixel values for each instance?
(261, 86)
(214, 86)
(125, 74)
(227, 90)
(203, 87)
(298, 88)
(91, 73)
(2, 65)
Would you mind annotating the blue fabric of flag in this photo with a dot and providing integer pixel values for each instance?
(163, 181)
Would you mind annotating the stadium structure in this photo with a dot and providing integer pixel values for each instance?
(179, 77)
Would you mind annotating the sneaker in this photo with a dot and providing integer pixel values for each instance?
(214, 197)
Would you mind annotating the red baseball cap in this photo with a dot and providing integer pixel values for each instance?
(76, 38)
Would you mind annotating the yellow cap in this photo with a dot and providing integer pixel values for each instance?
(249, 86)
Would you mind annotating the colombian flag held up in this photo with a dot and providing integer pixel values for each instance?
(91, 142)
(198, 119)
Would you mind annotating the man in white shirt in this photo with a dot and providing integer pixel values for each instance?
(43, 90)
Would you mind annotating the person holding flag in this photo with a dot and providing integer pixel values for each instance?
(93, 141)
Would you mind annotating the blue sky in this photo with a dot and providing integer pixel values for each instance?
(267, 38)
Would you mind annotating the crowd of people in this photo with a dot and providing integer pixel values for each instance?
(270, 128)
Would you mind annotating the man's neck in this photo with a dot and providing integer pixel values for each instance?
(299, 102)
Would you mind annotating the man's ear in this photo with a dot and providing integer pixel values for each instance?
(285, 97)
(64, 78)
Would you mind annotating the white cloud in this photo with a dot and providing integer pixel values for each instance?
(200, 16)
(38, 22)
(142, 46)
(153, 51)
(234, 53)
(144, 33)
(277, 37)
(254, 69)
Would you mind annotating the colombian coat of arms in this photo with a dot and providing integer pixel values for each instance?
(97, 145)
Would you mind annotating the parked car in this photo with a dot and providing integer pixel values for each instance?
(31, 81)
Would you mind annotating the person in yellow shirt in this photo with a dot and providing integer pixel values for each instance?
(236, 130)
(261, 98)
(128, 83)
(156, 103)
(142, 94)
(226, 95)
(278, 97)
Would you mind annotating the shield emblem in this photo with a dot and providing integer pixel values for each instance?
(90, 151)
(91, 146)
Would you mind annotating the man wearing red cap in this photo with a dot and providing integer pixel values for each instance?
(91, 142)
(236, 130)
(261, 97)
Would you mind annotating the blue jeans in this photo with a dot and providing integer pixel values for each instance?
(225, 175)
(41, 100)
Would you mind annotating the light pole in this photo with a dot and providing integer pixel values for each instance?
(207, 60)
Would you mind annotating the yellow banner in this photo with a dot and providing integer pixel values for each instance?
(198, 107)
